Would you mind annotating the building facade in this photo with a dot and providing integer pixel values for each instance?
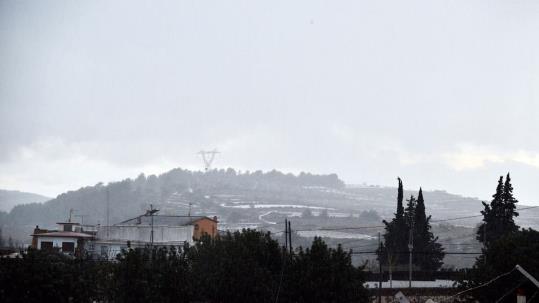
(70, 238)
(147, 230)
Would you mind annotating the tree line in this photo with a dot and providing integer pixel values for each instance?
(130, 197)
(505, 245)
(410, 226)
(246, 266)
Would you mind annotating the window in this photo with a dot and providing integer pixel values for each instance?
(68, 227)
(46, 245)
(68, 247)
(104, 251)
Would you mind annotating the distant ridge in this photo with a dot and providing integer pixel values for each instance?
(238, 199)
(11, 198)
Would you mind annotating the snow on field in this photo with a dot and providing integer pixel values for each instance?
(238, 226)
(235, 206)
(332, 234)
(274, 206)
(261, 217)
(404, 284)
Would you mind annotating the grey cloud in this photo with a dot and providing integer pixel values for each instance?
(134, 84)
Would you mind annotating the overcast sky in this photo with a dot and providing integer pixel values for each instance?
(444, 94)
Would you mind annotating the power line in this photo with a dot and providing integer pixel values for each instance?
(510, 291)
(476, 216)
(482, 285)
(342, 228)
(382, 226)
(373, 245)
(281, 277)
(420, 252)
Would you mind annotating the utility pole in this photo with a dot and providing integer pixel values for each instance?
(286, 234)
(290, 237)
(107, 210)
(151, 235)
(390, 267)
(81, 218)
(410, 247)
(380, 270)
(151, 212)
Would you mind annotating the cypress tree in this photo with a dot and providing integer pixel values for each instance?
(431, 253)
(395, 236)
(400, 229)
(400, 208)
(409, 212)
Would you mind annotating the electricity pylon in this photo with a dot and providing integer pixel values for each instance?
(208, 157)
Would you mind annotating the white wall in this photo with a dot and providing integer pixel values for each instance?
(141, 233)
(56, 241)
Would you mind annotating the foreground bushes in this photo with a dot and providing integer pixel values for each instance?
(247, 266)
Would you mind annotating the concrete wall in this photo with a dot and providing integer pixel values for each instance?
(107, 250)
(56, 241)
(141, 233)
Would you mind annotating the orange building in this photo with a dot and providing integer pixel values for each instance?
(204, 225)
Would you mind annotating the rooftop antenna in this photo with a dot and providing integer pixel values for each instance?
(81, 218)
(208, 157)
(70, 214)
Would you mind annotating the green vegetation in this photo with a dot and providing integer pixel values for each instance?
(396, 235)
(505, 246)
(501, 256)
(431, 253)
(498, 217)
(131, 197)
(413, 222)
(247, 266)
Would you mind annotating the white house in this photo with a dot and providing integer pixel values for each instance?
(70, 238)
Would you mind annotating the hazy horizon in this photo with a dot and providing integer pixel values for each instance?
(442, 94)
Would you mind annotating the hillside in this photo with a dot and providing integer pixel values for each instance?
(171, 192)
(11, 198)
(259, 200)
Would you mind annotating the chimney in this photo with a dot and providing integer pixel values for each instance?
(37, 230)
(34, 238)
(215, 218)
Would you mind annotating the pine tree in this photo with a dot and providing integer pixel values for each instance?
(431, 253)
(520, 247)
(509, 206)
(498, 215)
